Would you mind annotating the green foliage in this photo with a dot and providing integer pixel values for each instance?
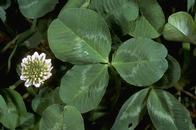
(111, 67)
(167, 113)
(180, 27)
(78, 41)
(12, 108)
(120, 12)
(57, 117)
(151, 21)
(135, 104)
(36, 8)
(172, 75)
(140, 61)
(84, 86)
(45, 98)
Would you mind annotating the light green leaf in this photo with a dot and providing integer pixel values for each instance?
(12, 108)
(119, 11)
(36, 8)
(131, 112)
(140, 61)
(55, 117)
(167, 113)
(2, 14)
(80, 36)
(77, 3)
(45, 98)
(172, 75)
(142, 28)
(153, 12)
(84, 86)
(180, 27)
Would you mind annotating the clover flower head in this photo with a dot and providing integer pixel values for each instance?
(35, 69)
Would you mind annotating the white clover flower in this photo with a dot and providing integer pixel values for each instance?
(35, 69)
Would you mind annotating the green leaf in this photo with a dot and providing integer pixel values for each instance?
(2, 14)
(153, 12)
(28, 122)
(84, 86)
(140, 61)
(77, 3)
(12, 108)
(172, 75)
(5, 4)
(80, 36)
(190, 4)
(180, 27)
(119, 11)
(142, 28)
(167, 113)
(45, 98)
(131, 112)
(55, 117)
(36, 8)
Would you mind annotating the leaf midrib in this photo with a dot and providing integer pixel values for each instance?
(91, 82)
(86, 43)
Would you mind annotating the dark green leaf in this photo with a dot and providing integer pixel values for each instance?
(84, 86)
(5, 4)
(172, 75)
(131, 112)
(142, 28)
(45, 98)
(80, 36)
(57, 117)
(167, 113)
(120, 12)
(13, 109)
(36, 8)
(153, 12)
(77, 3)
(140, 61)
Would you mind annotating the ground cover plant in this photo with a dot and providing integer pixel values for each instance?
(97, 64)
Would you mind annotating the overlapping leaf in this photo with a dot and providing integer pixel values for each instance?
(84, 86)
(151, 21)
(45, 98)
(142, 28)
(140, 61)
(36, 8)
(120, 12)
(12, 108)
(131, 112)
(77, 3)
(180, 27)
(79, 36)
(172, 75)
(57, 117)
(167, 113)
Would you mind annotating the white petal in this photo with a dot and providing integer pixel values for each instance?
(27, 84)
(36, 54)
(37, 84)
(42, 56)
(22, 77)
(47, 76)
(24, 60)
(48, 62)
(23, 65)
